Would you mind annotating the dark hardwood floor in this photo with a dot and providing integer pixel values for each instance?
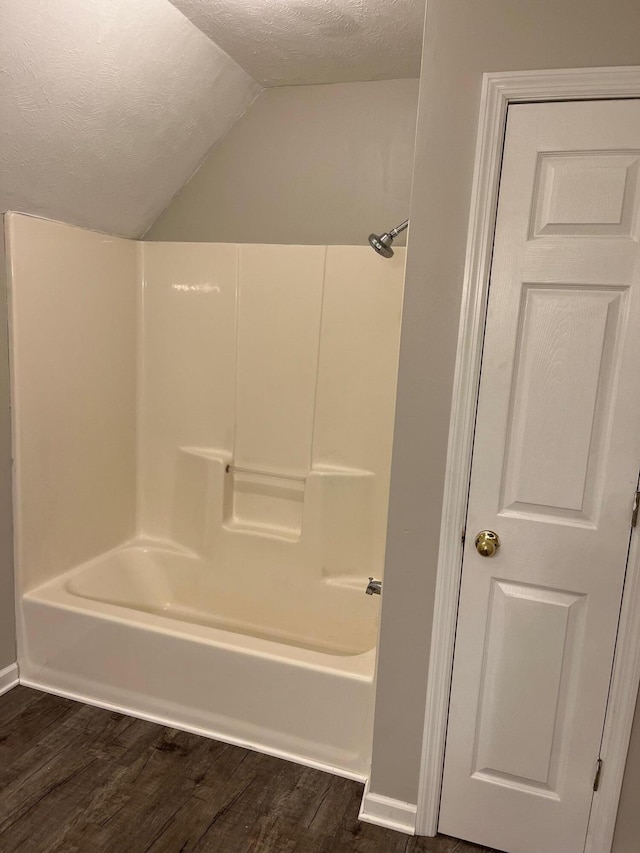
(78, 779)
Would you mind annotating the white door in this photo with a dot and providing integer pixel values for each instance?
(555, 466)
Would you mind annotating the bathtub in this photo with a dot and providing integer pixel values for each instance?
(151, 630)
(202, 447)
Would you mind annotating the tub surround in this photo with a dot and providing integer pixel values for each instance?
(72, 318)
(7, 609)
(279, 360)
(201, 481)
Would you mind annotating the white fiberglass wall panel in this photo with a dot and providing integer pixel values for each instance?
(73, 329)
(278, 337)
(357, 382)
(187, 382)
(279, 361)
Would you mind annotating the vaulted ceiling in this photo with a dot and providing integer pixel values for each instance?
(285, 42)
(107, 107)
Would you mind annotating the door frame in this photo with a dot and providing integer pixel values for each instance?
(499, 90)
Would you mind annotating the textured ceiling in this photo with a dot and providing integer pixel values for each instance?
(284, 42)
(107, 107)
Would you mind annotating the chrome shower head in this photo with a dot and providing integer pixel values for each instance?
(382, 243)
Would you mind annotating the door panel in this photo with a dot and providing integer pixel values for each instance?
(551, 467)
(555, 463)
(533, 636)
(586, 193)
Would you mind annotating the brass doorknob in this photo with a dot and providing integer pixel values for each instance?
(487, 543)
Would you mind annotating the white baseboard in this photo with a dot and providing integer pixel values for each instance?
(387, 812)
(196, 730)
(8, 678)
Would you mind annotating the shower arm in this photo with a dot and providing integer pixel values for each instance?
(399, 229)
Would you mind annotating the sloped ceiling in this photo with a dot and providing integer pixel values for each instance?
(107, 107)
(286, 42)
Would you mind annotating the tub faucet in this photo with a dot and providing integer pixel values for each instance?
(374, 587)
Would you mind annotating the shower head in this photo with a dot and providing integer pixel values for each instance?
(382, 243)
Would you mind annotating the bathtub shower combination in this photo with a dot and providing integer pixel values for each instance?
(202, 444)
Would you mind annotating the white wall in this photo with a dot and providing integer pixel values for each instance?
(463, 39)
(107, 108)
(323, 165)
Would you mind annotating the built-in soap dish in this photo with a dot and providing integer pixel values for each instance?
(264, 503)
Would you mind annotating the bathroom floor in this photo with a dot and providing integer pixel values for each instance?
(78, 779)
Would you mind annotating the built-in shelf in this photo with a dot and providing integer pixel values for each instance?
(236, 469)
(264, 502)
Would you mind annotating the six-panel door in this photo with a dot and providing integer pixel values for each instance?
(555, 466)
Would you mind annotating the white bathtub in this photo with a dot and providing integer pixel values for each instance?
(262, 660)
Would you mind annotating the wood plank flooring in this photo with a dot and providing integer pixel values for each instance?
(78, 779)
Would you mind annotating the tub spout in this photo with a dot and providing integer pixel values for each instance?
(374, 587)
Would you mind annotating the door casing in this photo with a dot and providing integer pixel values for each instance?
(498, 91)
